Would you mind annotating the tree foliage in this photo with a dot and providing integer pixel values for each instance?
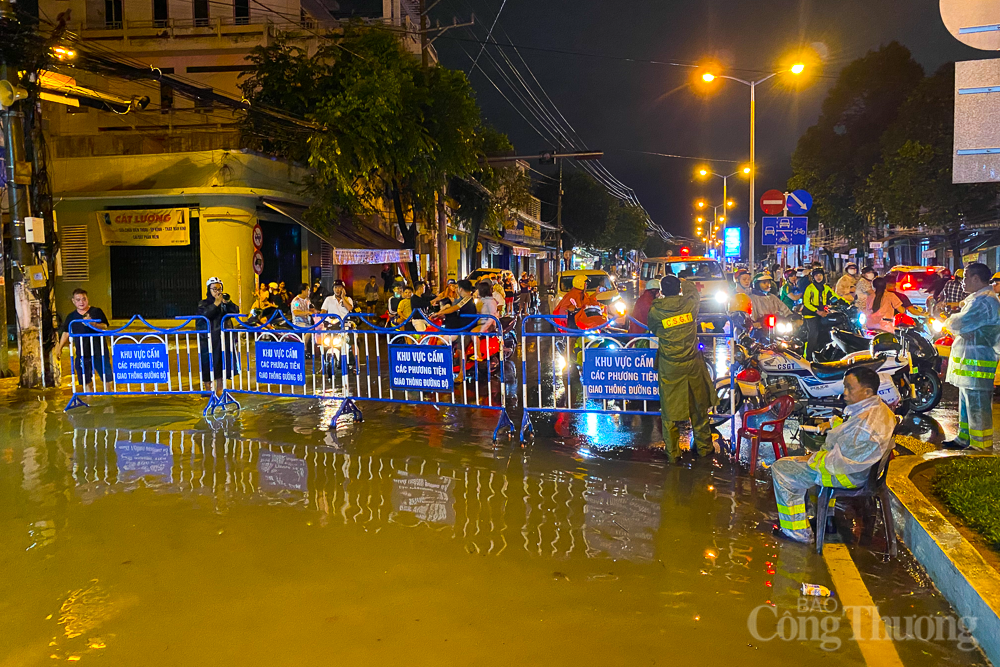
(912, 183)
(392, 130)
(834, 157)
(487, 197)
(592, 217)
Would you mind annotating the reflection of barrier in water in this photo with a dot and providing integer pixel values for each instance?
(546, 513)
(601, 370)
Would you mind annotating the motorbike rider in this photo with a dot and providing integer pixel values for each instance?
(686, 390)
(864, 288)
(850, 450)
(789, 294)
(763, 301)
(815, 304)
(642, 305)
(848, 282)
(574, 305)
(742, 278)
(973, 363)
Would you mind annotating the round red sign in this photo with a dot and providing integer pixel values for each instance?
(772, 202)
(258, 236)
(258, 263)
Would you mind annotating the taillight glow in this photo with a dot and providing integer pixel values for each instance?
(770, 321)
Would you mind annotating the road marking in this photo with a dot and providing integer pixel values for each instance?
(854, 594)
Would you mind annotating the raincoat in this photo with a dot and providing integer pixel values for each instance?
(573, 304)
(843, 462)
(972, 365)
(976, 328)
(863, 291)
(686, 390)
(765, 303)
(846, 287)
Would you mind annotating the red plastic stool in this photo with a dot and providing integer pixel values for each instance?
(771, 430)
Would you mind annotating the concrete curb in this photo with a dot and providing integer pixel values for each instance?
(965, 579)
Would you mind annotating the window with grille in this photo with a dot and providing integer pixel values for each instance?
(326, 260)
(75, 252)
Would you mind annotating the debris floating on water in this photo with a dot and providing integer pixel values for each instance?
(815, 590)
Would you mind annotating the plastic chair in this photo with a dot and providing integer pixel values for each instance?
(875, 489)
(771, 430)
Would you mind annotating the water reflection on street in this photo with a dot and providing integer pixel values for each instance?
(138, 533)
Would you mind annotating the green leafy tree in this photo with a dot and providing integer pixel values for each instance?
(487, 197)
(912, 184)
(835, 156)
(392, 130)
(626, 229)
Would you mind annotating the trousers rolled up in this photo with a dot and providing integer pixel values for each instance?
(975, 417)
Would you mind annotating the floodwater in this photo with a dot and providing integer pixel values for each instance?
(136, 532)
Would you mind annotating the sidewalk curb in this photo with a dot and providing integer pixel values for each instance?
(957, 569)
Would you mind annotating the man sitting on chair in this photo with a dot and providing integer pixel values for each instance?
(851, 449)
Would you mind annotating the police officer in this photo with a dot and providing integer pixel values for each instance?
(815, 304)
(973, 361)
(686, 390)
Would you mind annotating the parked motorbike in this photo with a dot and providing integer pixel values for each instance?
(766, 371)
(923, 356)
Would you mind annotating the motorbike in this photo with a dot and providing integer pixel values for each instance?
(767, 370)
(924, 360)
(481, 351)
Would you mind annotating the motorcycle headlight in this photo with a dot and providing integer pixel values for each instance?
(619, 307)
(862, 318)
(937, 326)
(560, 363)
(784, 327)
(722, 296)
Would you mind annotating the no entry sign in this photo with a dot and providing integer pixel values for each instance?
(258, 262)
(258, 237)
(772, 202)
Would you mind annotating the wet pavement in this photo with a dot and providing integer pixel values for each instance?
(137, 532)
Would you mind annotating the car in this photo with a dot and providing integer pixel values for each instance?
(708, 276)
(601, 281)
(479, 274)
(916, 281)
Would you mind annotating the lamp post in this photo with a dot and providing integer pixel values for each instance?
(708, 77)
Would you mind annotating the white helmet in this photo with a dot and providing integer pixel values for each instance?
(212, 280)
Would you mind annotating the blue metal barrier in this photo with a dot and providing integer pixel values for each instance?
(141, 359)
(351, 358)
(549, 357)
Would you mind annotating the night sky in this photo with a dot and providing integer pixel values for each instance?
(619, 106)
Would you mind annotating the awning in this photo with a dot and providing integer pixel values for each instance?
(351, 244)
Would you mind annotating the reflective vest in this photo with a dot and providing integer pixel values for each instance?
(816, 297)
(973, 362)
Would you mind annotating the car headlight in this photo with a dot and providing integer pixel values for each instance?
(722, 296)
(619, 307)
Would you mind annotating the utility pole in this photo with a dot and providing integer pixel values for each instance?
(559, 223)
(37, 367)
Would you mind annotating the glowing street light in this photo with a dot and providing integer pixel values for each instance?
(700, 203)
(708, 77)
(730, 203)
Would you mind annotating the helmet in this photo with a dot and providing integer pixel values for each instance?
(884, 342)
(850, 265)
(763, 275)
(653, 284)
(959, 273)
(580, 281)
(996, 277)
(213, 279)
(740, 303)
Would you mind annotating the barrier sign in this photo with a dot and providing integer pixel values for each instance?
(141, 459)
(140, 363)
(281, 472)
(615, 374)
(281, 362)
(421, 368)
(159, 226)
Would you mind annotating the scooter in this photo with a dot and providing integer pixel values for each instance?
(766, 372)
(924, 360)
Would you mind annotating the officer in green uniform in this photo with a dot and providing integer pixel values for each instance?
(686, 390)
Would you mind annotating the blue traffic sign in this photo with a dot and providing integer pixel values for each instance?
(776, 230)
(799, 202)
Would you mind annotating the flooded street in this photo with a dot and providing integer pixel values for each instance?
(137, 532)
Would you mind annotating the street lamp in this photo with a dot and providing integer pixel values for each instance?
(709, 77)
